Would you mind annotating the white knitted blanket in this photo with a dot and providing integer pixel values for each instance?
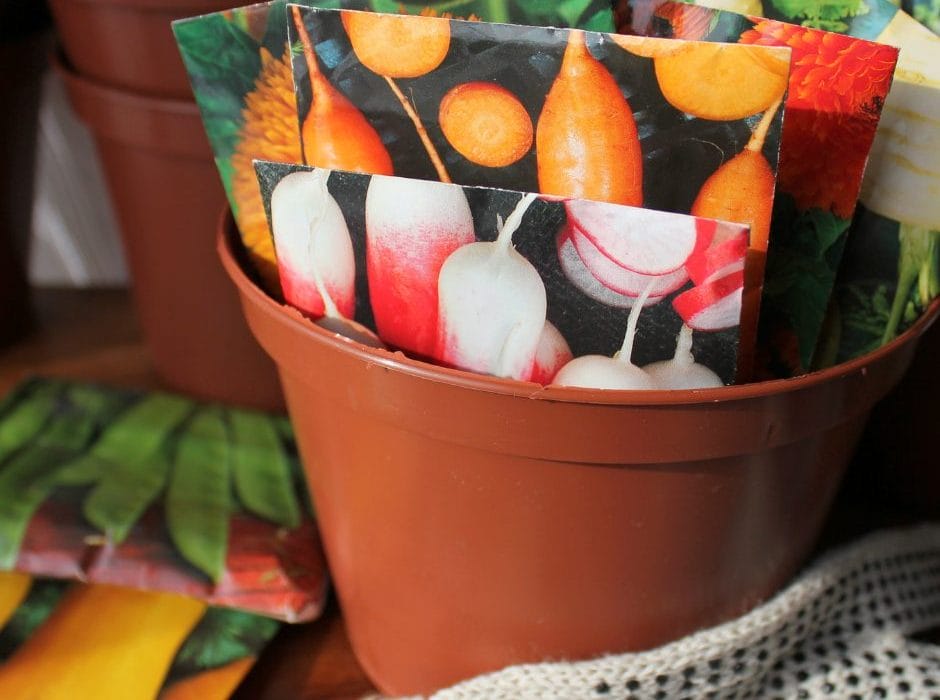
(841, 631)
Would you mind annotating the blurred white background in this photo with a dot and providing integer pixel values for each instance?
(75, 240)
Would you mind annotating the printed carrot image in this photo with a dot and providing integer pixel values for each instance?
(586, 138)
(537, 109)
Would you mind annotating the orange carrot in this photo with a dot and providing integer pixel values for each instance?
(723, 82)
(214, 684)
(398, 46)
(742, 190)
(486, 124)
(586, 140)
(335, 133)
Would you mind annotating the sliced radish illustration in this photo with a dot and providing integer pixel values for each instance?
(682, 371)
(713, 306)
(551, 355)
(617, 372)
(412, 226)
(642, 240)
(582, 278)
(620, 279)
(725, 253)
(492, 305)
(314, 250)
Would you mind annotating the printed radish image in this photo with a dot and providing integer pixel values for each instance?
(644, 241)
(621, 279)
(412, 227)
(721, 251)
(492, 305)
(314, 250)
(602, 372)
(682, 371)
(335, 134)
(577, 272)
(440, 276)
(586, 139)
(714, 305)
(551, 355)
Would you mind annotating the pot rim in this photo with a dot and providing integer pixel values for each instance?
(397, 361)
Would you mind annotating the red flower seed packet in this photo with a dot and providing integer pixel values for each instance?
(837, 88)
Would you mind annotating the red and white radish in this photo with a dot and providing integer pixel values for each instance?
(712, 306)
(315, 258)
(641, 240)
(620, 279)
(412, 226)
(725, 253)
(602, 372)
(492, 305)
(582, 278)
(682, 371)
(551, 355)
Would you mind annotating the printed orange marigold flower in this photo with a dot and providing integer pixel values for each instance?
(269, 132)
(837, 88)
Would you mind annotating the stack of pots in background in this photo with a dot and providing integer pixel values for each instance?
(125, 79)
(24, 46)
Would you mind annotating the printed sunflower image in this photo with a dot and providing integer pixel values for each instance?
(239, 67)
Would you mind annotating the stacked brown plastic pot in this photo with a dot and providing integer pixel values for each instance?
(126, 81)
(472, 522)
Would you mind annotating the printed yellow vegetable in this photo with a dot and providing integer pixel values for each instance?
(13, 589)
(214, 684)
(101, 643)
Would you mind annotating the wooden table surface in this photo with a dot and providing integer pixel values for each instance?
(92, 334)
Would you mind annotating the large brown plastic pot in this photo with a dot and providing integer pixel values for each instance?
(167, 197)
(129, 43)
(472, 522)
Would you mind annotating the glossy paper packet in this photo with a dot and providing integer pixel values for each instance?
(238, 64)
(155, 492)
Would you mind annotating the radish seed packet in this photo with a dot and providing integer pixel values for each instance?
(239, 66)
(153, 491)
(838, 87)
(675, 126)
(518, 285)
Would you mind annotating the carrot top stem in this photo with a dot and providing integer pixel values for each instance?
(756, 143)
(422, 132)
(626, 351)
(508, 228)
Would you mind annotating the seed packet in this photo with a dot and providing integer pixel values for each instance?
(838, 86)
(239, 65)
(71, 639)
(528, 287)
(153, 491)
(668, 125)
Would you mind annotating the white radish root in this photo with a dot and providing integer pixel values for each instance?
(552, 354)
(315, 257)
(682, 371)
(492, 305)
(602, 372)
(412, 227)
